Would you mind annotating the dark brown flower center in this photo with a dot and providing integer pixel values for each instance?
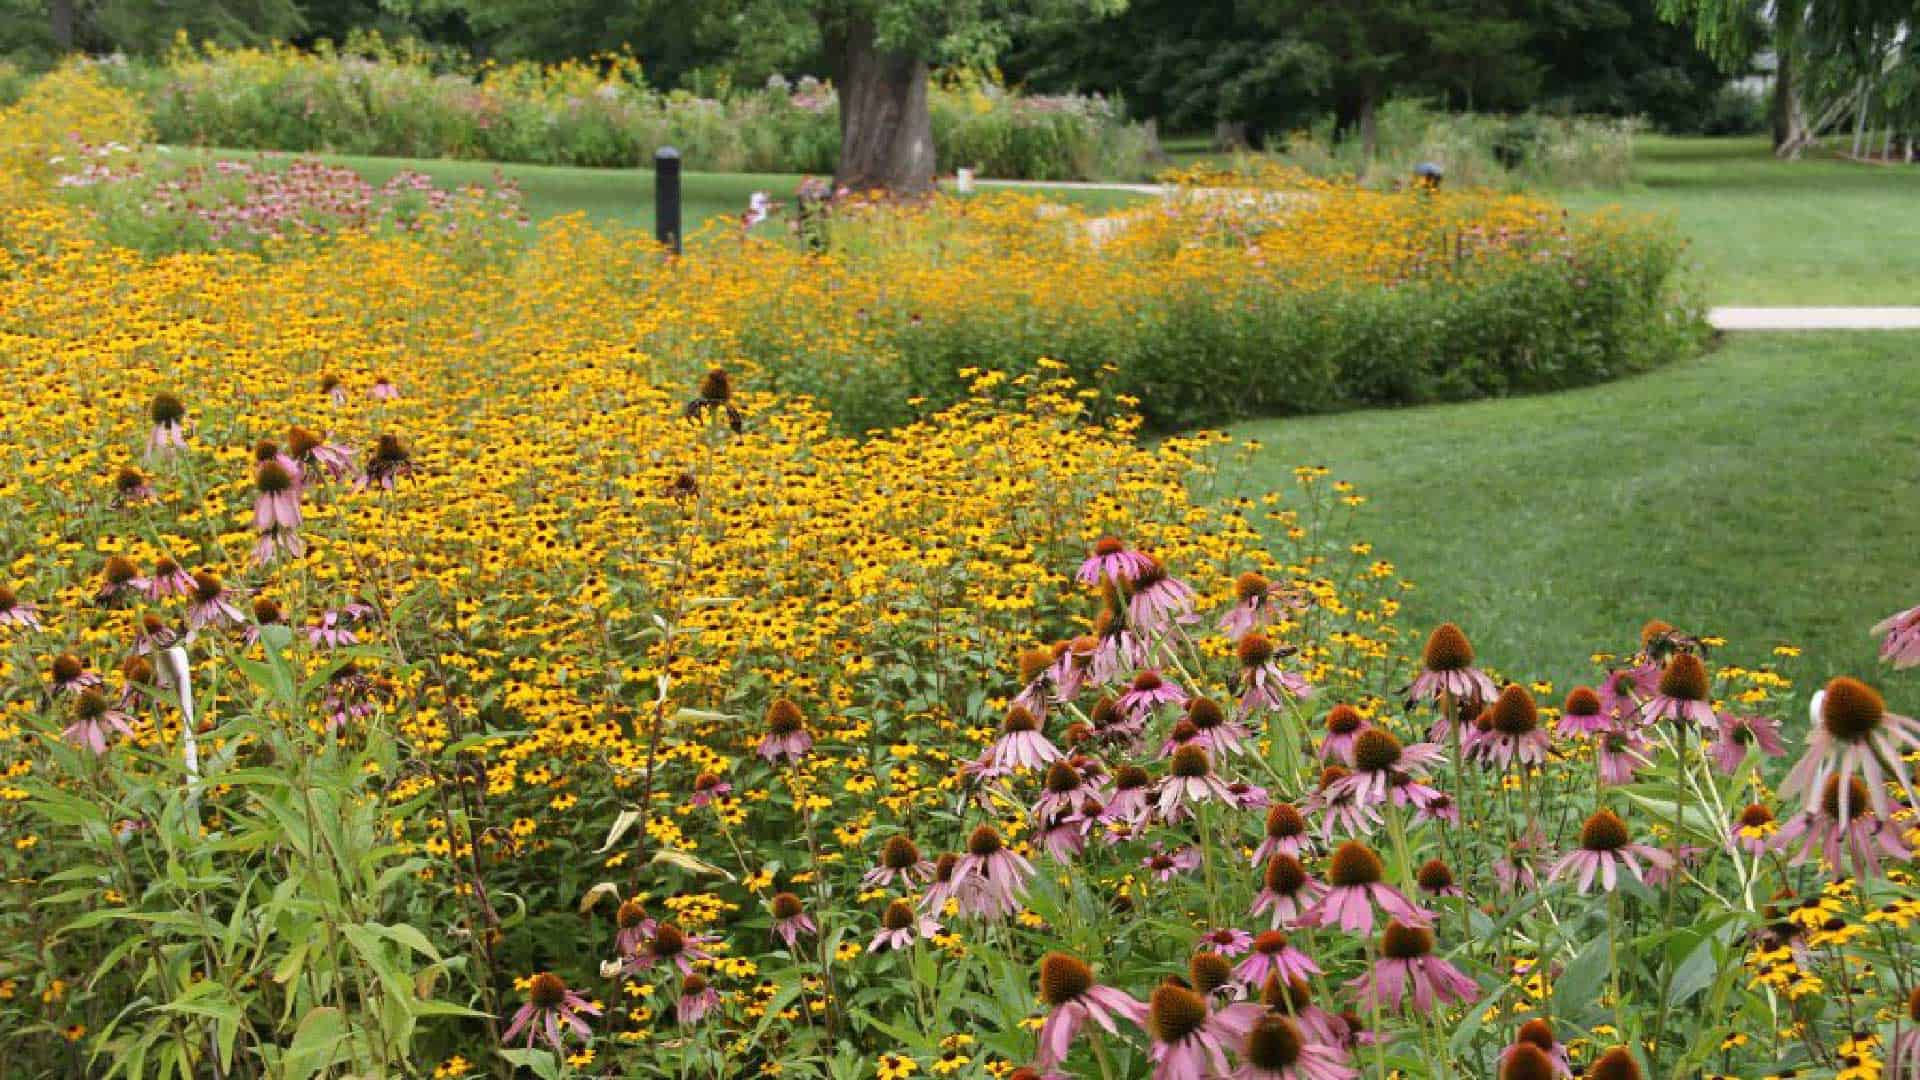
(783, 717)
(1284, 875)
(944, 866)
(1191, 761)
(1274, 1043)
(166, 409)
(1402, 942)
(1271, 942)
(206, 587)
(1857, 798)
(91, 706)
(1354, 863)
(668, 941)
(1063, 979)
(1615, 1064)
(1283, 821)
(1147, 682)
(899, 916)
(1209, 971)
(1250, 586)
(786, 906)
(1581, 701)
(693, 986)
(631, 914)
(899, 853)
(1604, 831)
(1684, 678)
(1375, 750)
(1434, 876)
(1851, 710)
(1514, 712)
(1205, 713)
(546, 991)
(1344, 720)
(120, 570)
(1447, 649)
(67, 667)
(1254, 650)
(1019, 719)
(1537, 1032)
(1755, 816)
(1527, 1062)
(1174, 1012)
(716, 385)
(1108, 545)
(265, 611)
(1293, 994)
(1654, 632)
(1131, 778)
(984, 842)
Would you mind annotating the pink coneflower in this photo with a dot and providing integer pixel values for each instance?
(990, 877)
(1072, 997)
(1381, 766)
(1274, 954)
(1605, 847)
(130, 487)
(119, 578)
(1619, 754)
(1406, 962)
(1842, 830)
(1118, 650)
(1344, 723)
(786, 740)
(1072, 663)
(1582, 713)
(1682, 695)
(1036, 679)
(167, 579)
(1447, 668)
(1257, 603)
(1339, 808)
(1900, 638)
(317, 458)
(1753, 831)
(1263, 683)
(1064, 790)
(1156, 600)
(93, 717)
(1624, 689)
(1063, 834)
(697, 999)
(169, 433)
(1286, 833)
(383, 390)
(276, 503)
(1737, 734)
(69, 675)
(1112, 559)
(900, 861)
(15, 612)
(1147, 692)
(1226, 940)
(1435, 879)
(334, 630)
(899, 924)
(1535, 1054)
(1190, 779)
(1130, 803)
(1213, 730)
(212, 603)
(1436, 806)
(1356, 886)
(790, 919)
(1515, 736)
(335, 392)
(1278, 1048)
(1903, 1062)
(709, 788)
(1853, 732)
(1190, 1039)
(632, 926)
(389, 463)
(1166, 864)
(1518, 870)
(670, 945)
(1293, 998)
(1020, 746)
(1681, 857)
(1287, 892)
(550, 1004)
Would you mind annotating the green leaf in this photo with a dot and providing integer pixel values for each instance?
(1581, 981)
(317, 1043)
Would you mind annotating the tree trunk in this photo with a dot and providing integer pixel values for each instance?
(1369, 135)
(61, 17)
(886, 132)
(1783, 104)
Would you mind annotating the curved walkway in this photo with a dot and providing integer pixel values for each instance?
(1815, 318)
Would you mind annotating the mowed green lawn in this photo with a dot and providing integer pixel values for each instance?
(1819, 231)
(1768, 492)
(611, 195)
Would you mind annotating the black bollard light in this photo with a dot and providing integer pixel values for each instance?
(666, 197)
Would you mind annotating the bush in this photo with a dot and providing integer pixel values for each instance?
(397, 101)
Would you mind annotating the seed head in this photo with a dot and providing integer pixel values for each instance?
(1034, 663)
(1108, 545)
(1354, 863)
(787, 906)
(1447, 649)
(546, 991)
(1513, 712)
(1062, 778)
(1019, 718)
(899, 916)
(630, 914)
(1344, 719)
(206, 587)
(783, 717)
(1375, 750)
(1851, 710)
(1581, 701)
(1147, 681)
(1684, 678)
(1538, 1032)
(1175, 1012)
(1402, 942)
(1271, 942)
(128, 480)
(984, 842)
(1191, 761)
(1284, 875)
(1604, 831)
(1131, 778)
(1251, 586)
(716, 385)
(1063, 979)
(1209, 971)
(1284, 821)
(266, 612)
(1254, 650)
(1755, 815)
(1291, 995)
(1205, 713)
(1615, 1064)
(1525, 1061)
(1274, 1043)
(668, 941)
(1433, 876)
(301, 442)
(67, 667)
(166, 409)
(1857, 796)
(120, 570)
(899, 853)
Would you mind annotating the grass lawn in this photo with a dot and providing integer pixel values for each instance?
(1768, 492)
(622, 195)
(1765, 231)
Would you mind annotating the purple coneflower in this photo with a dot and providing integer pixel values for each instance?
(709, 788)
(1263, 683)
(1277, 1048)
(900, 861)
(1344, 723)
(16, 612)
(1286, 833)
(1020, 746)
(990, 877)
(1582, 713)
(632, 927)
(1063, 834)
(387, 465)
(1383, 767)
(1535, 1054)
(1842, 831)
(276, 503)
(790, 919)
(1853, 732)
(1212, 729)
(1131, 802)
(670, 945)
(317, 458)
(167, 579)
(334, 628)
(1257, 602)
(1165, 864)
(265, 613)
(1118, 650)
(1147, 692)
(130, 487)
(1064, 790)
(1356, 886)
(1190, 1039)
(1624, 689)
(1435, 879)
(1447, 668)
(1156, 600)
(1072, 997)
(1682, 695)
(550, 1004)
(1112, 559)
(1618, 754)
(1228, 941)
(118, 578)
(1287, 891)
(1190, 779)
(898, 926)
(69, 675)
(383, 390)
(786, 739)
(1406, 963)
(697, 999)
(1900, 638)
(168, 434)
(1339, 808)
(1514, 733)
(1605, 846)
(1072, 663)
(212, 604)
(335, 392)
(1274, 954)
(1903, 1062)
(93, 717)
(1737, 734)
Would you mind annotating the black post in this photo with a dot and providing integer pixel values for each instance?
(666, 197)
